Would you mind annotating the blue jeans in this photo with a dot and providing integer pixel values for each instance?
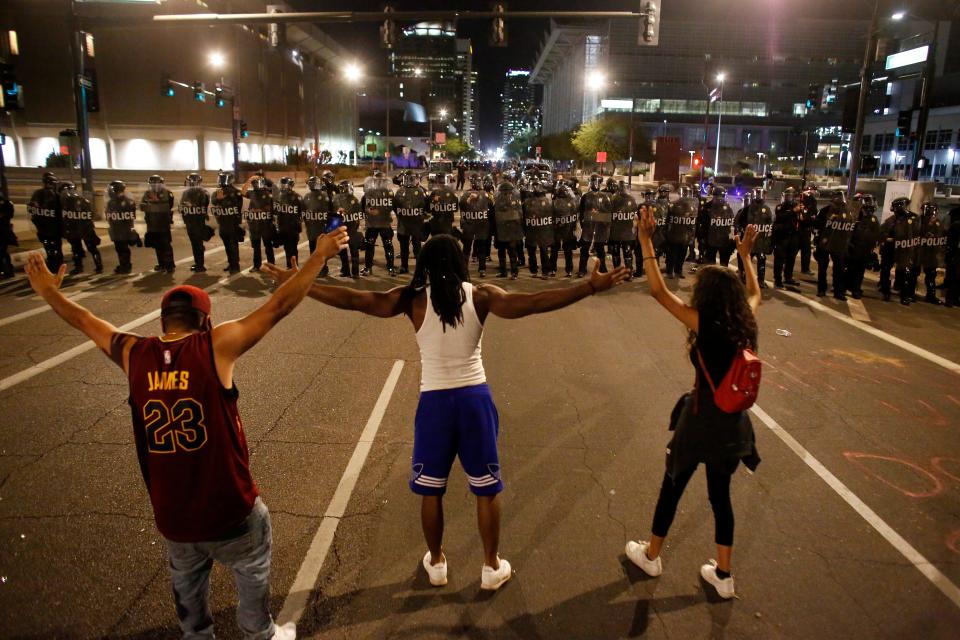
(247, 555)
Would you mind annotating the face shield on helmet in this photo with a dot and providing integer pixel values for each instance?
(563, 191)
(683, 191)
(838, 199)
(313, 183)
(193, 180)
(68, 188)
(116, 188)
(487, 181)
(611, 185)
(789, 194)
(326, 177)
(718, 193)
(259, 183)
(537, 186)
(223, 179)
(900, 205)
(49, 180)
(409, 180)
(345, 186)
(156, 183)
(286, 183)
(759, 195)
(475, 182)
(930, 209)
(595, 182)
(648, 195)
(664, 191)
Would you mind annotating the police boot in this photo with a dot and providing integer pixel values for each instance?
(762, 272)
(6, 266)
(932, 298)
(388, 251)
(355, 265)
(77, 265)
(97, 263)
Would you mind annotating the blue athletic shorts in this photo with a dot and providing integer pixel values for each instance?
(450, 423)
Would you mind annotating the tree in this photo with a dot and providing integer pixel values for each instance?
(523, 146)
(557, 146)
(456, 147)
(611, 133)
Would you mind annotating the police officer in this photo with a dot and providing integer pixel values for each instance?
(566, 212)
(623, 207)
(259, 217)
(442, 207)
(47, 217)
(834, 230)
(227, 208)
(759, 215)
(489, 185)
(681, 227)
(808, 221)
(786, 238)
(661, 209)
(317, 205)
(347, 207)
(896, 249)
(78, 227)
(287, 207)
(475, 210)
(933, 241)
(157, 207)
(863, 241)
(718, 220)
(7, 237)
(194, 205)
(121, 213)
(409, 203)
(595, 220)
(377, 205)
(508, 214)
(538, 226)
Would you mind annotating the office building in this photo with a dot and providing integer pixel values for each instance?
(519, 109)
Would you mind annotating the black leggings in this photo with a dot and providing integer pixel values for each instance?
(718, 489)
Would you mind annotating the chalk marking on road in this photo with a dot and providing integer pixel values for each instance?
(309, 571)
(857, 310)
(91, 289)
(950, 365)
(69, 354)
(924, 566)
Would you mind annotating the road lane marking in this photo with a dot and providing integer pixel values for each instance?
(924, 566)
(857, 310)
(950, 365)
(309, 571)
(59, 359)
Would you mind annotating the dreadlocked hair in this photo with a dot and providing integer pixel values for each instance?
(441, 265)
(719, 294)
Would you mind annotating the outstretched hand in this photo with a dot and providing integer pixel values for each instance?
(279, 274)
(603, 281)
(330, 244)
(41, 280)
(647, 223)
(746, 240)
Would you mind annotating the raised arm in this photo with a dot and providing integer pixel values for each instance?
(232, 339)
(677, 307)
(47, 286)
(745, 244)
(493, 299)
(382, 304)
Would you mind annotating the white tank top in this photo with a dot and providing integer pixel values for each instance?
(451, 359)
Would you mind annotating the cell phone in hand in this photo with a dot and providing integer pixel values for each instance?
(335, 223)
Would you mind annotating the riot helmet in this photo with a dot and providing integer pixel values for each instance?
(747, 198)
(475, 182)
(537, 186)
(838, 198)
(611, 185)
(156, 183)
(683, 191)
(68, 188)
(223, 179)
(718, 193)
(49, 180)
(116, 188)
(563, 190)
(759, 195)
(259, 183)
(789, 194)
(326, 177)
(286, 183)
(649, 195)
(930, 209)
(345, 186)
(900, 205)
(193, 179)
(409, 179)
(313, 183)
(595, 182)
(664, 191)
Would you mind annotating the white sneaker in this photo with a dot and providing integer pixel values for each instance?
(492, 579)
(285, 632)
(724, 586)
(436, 572)
(637, 554)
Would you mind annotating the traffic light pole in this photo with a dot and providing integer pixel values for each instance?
(865, 81)
(80, 101)
(929, 70)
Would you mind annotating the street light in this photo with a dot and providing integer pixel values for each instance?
(596, 81)
(217, 59)
(443, 113)
(417, 71)
(716, 159)
(352, 72)
(899, 15)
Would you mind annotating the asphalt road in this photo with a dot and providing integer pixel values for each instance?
(854, 413)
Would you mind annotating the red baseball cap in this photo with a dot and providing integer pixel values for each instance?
(199, 299)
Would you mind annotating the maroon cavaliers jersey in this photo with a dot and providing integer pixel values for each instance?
(190, 442)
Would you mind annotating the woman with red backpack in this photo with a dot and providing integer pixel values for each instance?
(709, 423)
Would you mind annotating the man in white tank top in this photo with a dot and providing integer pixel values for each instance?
(456, 416)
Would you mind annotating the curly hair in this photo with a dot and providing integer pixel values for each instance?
(719, 295)
(441, 264)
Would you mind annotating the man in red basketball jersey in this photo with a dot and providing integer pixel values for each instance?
(190, 441)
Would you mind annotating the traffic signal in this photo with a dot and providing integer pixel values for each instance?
(244, 133)
(649, 24)
(198, 93)
(498, 28)
(166, 87)
(218, 95)
(388, 30)
(904, 120)
(11, 92)
(696, 162)
(814, 93)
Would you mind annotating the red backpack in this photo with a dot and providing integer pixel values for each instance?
(739, 388)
